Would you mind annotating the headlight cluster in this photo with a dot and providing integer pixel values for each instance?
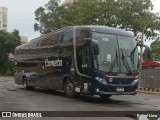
(101, 80)
(135, 81)
(28, 76)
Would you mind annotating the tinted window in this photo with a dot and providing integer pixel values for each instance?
(107, 60)
(67, 37)
(52, 40)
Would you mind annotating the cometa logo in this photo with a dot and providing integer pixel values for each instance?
(53, 63)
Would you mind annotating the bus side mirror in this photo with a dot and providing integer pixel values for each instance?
(147, 51)
(95, 46)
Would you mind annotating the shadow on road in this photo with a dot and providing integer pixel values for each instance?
(84, 98)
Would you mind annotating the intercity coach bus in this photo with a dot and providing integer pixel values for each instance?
(90, 60)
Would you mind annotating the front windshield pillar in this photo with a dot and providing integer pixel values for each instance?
(82, 53)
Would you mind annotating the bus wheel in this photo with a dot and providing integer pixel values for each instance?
(25, 85)
(69, 89)
(103, 96)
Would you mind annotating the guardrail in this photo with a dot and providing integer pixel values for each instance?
(150, 80)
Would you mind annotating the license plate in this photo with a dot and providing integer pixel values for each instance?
(120, 89)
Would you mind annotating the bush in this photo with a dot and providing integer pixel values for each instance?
(7, 68)
(8, 73)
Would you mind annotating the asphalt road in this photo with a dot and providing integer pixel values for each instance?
(15, 98)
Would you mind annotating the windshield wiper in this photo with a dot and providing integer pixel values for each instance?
(125, 63)
(114, 63)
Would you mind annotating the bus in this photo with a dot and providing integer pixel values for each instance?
(87, 60)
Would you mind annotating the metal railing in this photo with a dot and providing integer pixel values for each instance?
(150, 78)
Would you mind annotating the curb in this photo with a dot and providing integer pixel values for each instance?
(149, 90)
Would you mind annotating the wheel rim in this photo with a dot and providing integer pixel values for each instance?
(69, 88)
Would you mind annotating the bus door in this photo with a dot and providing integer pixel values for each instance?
(84, 67)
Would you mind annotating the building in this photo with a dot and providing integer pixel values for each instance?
(24, 39)
(3, 18)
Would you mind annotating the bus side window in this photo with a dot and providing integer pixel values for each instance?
(54, 39)
(83, 61)
(67, 37)
(84, 34)
(66, 42)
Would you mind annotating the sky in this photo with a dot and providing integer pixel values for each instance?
(21, 15)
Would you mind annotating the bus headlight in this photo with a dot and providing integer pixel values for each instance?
(134, 81)
(101, 80)
(28, 76)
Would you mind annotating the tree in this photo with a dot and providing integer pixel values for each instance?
(47, 17)
(81, 12)
(134, 15)
(156, 49)
(8, 42)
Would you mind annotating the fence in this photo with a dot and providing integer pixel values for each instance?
(150, 78)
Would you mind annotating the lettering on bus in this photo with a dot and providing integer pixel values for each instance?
(53, 63)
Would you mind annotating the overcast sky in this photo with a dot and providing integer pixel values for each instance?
(21, 15)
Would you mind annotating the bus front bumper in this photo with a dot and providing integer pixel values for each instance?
(114, 89)
(115, 93)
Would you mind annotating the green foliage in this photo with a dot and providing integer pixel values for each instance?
(47, 17)
(156, 49)
(8, 68)
(8, 42)
(133, 15)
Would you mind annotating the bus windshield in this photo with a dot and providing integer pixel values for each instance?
(117, 53)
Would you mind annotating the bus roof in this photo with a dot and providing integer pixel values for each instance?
(96, 28)
(111, 30)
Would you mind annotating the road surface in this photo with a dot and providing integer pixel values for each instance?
(15, 98)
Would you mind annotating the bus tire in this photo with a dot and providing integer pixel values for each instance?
(104, 96)
(69, 89)
(25, 84)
